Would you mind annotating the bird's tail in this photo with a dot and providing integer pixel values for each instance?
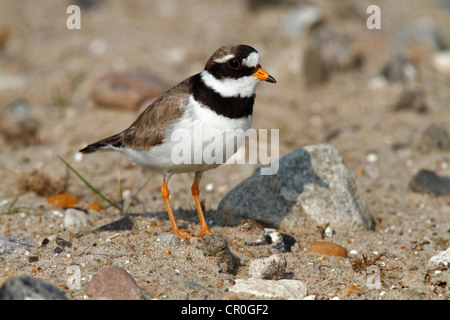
(104, 145)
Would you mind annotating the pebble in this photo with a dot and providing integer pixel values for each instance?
(441, 62)
(400, 69)
(123, 224)
(422, 34)
(27, 288)
(301, 17)
(435, 137)
(326, 52)
(271, 268)
(217, 247)
(441, 259)
(75, 218)
(63, 243)
(351, 289)
(412, 100)
(273, 289)
(127, 90)
(113, 283)
(10, 245)
(311, 182)
(328, 248)
(428, 182)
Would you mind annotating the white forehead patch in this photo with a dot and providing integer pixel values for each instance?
(224, 59)
(252, 60)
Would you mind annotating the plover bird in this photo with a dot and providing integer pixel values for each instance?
(217, 100)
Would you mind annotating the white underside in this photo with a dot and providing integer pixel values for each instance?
(193, 132)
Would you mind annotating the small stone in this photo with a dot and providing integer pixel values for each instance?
(351, 289)
(113, 283)
(426, 181)
(75, 218)
(57, 250)
(441, 62)
(328, 248)
(412, 100)
(125, 223)
(27, 288)
(434, 137)
(127, 90)
(441, 259)
(217, 247)
(400, 69)
(63, 243)
(169, 238)
(10, 245)
(301, 17)
(271, 268)
(278, 289)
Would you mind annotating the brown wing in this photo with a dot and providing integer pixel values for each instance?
(149, 128)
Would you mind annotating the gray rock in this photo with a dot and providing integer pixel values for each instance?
(281, 289)
(300, 18)
(312, 183)
(27, 288)
(217, 247)
(412, 100)
(426, 181)
(10, 245)
(434, 137)
(422, 33)
(271, 268)
(400, 69)
(113, 283)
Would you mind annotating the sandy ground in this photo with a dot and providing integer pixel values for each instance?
(53, 68)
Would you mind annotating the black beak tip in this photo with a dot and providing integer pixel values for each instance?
(271, 79)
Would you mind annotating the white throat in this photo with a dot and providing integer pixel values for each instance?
(229, 87)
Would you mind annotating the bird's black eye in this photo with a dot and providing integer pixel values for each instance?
(234, 63)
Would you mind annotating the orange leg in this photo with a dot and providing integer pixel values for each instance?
(181, 233)
(195, 193)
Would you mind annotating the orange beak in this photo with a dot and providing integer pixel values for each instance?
(264, 76)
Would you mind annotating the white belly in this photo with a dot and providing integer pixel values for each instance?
(199, 141)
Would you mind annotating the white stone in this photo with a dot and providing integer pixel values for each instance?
(282, 289)
(440, 259)
(75, 218)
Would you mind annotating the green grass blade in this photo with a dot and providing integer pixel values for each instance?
(89, 185)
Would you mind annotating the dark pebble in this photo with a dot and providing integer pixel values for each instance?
(434, 137)
(412, 100)
(400, 69)
(426, 181)
(217, 247)
(58, 250)
(33, 259)
(122, 224)
(63, 243)
(27, 288)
